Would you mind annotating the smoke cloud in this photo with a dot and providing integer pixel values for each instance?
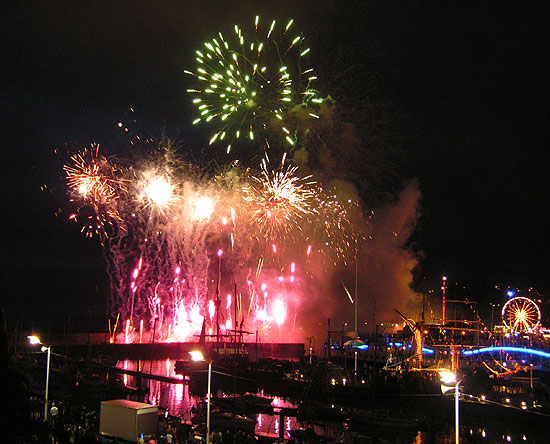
(384, 275)
(387, 263)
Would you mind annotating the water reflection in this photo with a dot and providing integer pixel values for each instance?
(176, 400)
(269, 425)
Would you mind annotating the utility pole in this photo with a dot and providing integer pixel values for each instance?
(356, 306)
(493, 316)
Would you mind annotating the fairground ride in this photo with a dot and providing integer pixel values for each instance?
(521, 315)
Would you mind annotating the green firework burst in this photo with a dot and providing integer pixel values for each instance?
(243, 83)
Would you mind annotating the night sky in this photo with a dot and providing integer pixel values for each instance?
(461, 91)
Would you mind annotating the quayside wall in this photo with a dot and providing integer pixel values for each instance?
(84, 344)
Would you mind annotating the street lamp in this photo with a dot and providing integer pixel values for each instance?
(448, 382)
(197, 356)
(35, 340)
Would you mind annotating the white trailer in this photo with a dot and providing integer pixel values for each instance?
(125, 419)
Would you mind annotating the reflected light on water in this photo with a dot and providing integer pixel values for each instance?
(179, 392)
(125, 377)
(174, 398)
(269, 425)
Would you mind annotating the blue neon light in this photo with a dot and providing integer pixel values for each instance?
(510, 293)
(506, 349)
(424, 349)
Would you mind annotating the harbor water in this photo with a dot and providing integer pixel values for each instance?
(177, 400)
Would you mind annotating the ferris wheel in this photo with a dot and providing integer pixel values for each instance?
(521, 315)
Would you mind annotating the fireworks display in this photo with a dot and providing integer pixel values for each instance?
(179, 240)
(250, 83)
(95, 182)
(186, 247)
(158, 191)
(279, 199)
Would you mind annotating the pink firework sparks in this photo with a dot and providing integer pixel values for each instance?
(165, 266)
(279, 311)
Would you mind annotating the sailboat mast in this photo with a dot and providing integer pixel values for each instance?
(443, 288)
(356, 260)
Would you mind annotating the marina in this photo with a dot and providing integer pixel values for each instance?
(369, 389)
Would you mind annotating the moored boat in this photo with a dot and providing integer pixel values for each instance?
(382, 418)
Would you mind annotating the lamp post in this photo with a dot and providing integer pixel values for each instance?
(34, 340)
(197, 356)
(448, 382)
